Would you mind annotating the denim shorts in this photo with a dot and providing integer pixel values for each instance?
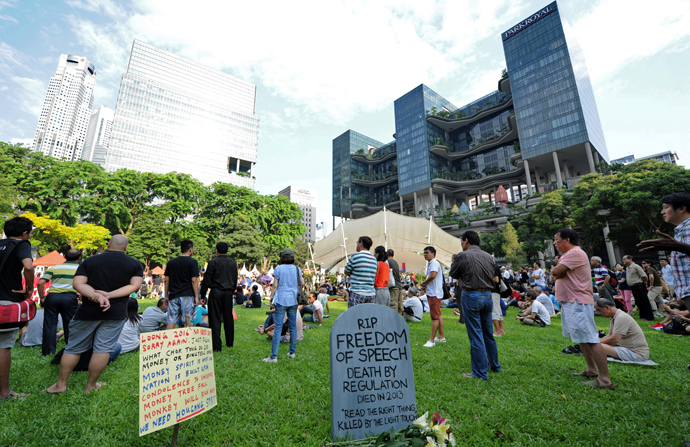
(179, 307)
(101, 334)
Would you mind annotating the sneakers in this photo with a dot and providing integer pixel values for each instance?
(429, 344)
(292, 356)
(439, 340)
(658, 315)
(271, 360)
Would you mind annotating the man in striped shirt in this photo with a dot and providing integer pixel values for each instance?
(61, 299)
(361, 267)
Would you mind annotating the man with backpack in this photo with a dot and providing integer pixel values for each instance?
(15, 255)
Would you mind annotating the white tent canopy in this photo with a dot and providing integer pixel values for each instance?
(244, 271)
(407, 236)
(255, 271)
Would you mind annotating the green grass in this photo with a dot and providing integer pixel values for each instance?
(534, 401)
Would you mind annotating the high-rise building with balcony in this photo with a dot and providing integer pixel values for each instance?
(538, 131)
(98, 135)
(64, 119)
(175, 114)
(306, 199)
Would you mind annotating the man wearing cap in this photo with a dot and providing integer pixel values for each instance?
(221, 278)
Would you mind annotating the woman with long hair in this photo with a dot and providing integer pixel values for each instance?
(287, 279)
(129, 337)
(383, 271)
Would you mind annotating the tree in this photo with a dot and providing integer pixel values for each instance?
(246, 245)
(150, 237)
(512, 247)
(493, 243)
(51, 234)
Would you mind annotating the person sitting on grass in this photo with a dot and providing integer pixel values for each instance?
(323, 298)
(129, 337)
(683, 315)
(535, 313)
(544, 299)
(254, 300)
(201, 314)
(239, 294)
(412, 308)
(625, 340)
(154, 318)
(343, 295)
(315, 309)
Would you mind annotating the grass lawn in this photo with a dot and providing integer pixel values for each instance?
(534, 401)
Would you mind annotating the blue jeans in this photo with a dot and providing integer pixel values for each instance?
(477, 307)
(278, 318)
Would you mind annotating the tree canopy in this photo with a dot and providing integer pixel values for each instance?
(156, 211)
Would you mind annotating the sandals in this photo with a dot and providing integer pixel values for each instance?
(595, 384)
(584, 374)
(572, 350)
(19, 397)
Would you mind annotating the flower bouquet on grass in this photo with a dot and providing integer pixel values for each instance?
(420, 433)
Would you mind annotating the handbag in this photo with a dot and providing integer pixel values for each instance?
(446, 287)
(15, 315)
(391, 277)
(664, 286)
(301, 296)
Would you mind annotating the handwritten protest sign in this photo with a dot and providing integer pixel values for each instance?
(372, 383)
(176, 377)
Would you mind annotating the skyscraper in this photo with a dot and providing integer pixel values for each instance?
(539, 131)
(64, 118)
(174, 114)
(306, 199)
(98, 135)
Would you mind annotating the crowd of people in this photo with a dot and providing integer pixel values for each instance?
(94, 305)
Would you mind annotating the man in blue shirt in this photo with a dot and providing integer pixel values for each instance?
(361, 267)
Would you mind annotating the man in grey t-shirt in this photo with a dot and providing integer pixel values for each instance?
(395, 288)
(154, 317)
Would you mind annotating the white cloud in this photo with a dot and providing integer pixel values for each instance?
(617, 32)
(329, 60)
(8, 18)
(31, 93)
(107, 7)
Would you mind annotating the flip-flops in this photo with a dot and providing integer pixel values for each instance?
(584, 374)
(595, 384)
(14, 396)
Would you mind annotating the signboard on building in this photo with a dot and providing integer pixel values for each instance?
(529, 21)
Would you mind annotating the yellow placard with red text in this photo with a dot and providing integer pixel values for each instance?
(176, 377)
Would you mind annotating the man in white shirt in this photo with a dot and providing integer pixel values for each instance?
(434, 294)
(537, 315)
(412, 308)
(544, 300)
(667, 275)
(538, 276)
(316, 310)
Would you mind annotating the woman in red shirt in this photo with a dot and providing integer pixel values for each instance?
(383, 272)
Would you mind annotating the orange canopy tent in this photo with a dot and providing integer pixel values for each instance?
(157, 271)
(52, 258)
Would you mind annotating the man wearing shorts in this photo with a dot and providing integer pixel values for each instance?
(574, 291)
(625, 340)
(105, 282)
(434, 294)
(18, 231)
(182, 286)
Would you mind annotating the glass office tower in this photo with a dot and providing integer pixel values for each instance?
(174, 114)
(539, 131)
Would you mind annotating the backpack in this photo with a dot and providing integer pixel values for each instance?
(614, 280)
(15, 315)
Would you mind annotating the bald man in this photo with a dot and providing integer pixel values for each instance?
(104, 282)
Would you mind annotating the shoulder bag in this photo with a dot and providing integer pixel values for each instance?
(15, 315)
(301, 296)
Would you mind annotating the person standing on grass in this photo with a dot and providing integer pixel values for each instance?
(221, 278)
(667, 275)
(574, 291)
(475, 270)
(17, 249)
(105, 282)
(395, 288)
(653, 289)
(61, 301)
(433, 284)
(182, 285)
(637, 280)
(361, 267)
(287, 280)
(383, 273)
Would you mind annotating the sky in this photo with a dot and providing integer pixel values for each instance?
(323, 67)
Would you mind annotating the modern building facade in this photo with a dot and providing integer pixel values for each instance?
(538, 131)
(64, 119)
(174, 114)
(306, 199)
(98, 135)
(668, 157)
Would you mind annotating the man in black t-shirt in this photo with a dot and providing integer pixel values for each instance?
(105, 282)
(18, 231)
(182, 285)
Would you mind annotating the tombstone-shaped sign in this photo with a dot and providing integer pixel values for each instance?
(372, 383)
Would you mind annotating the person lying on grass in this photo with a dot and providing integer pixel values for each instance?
(535, 314)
